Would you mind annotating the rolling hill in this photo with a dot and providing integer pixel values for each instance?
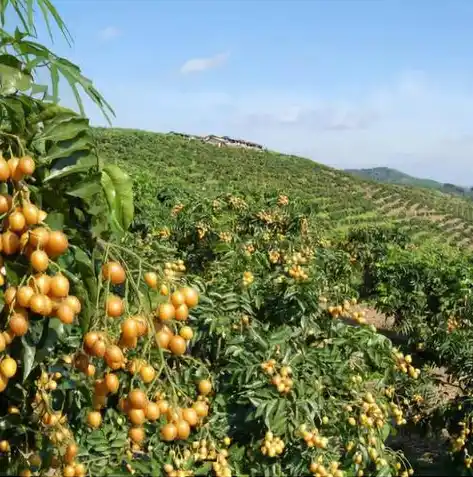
(393, 176)
(338, 200)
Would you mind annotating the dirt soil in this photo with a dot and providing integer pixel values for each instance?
(426, 454)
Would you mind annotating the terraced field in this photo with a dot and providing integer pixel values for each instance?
(338, 200)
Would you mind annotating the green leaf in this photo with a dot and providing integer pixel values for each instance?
(55, 220)
(28, 354)
(118, 189)
(54, 331)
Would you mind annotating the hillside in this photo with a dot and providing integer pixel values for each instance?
(393, 176)
(182, 169)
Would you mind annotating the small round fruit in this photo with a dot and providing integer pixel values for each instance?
(112, 383)
(147, 373)
(137, 399)
(152, 411)
(177, 345)
(41, 282)
(191, 297)
(89, 339)
(65, 313)
(182, 312)
(205, 387)
(183, 429)
(168, 432)
(10, 243)
(18, 324)
(59, 286)
(15, 171)
(68, 471)
(39, 237)
(137, 434)
(166, 311)
(71, 453)
(201, 408)
(31, 213)
(3, 383)
(38, 304)
(100, 348)
(57, 243)
(114, 272)
(26, 165)
(4, 170)
(186, 332)
(142, 324)
(3, 343)
(74, 303)
(114, 306)
(24, 295)
(178, 298)
(8, 367)
(163, 338)
(137, 416)
(190, 415)
(114, 357)
(129, 329)
(151, 279)
(94, 419)
(39, 260)
(10, 295)
(80, 470)
(16, 221)
(5, 203)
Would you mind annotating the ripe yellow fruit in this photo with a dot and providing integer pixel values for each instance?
(59, 286)
(166, 311)
(177, 345)
(186, 332)
(94, 419)
(169, 432)
(8, 367)
(151, 279)
(191, 297)
(147, 373)
(115, 306)
(137, 399)
(26, 166)
(39, 260)
(205, 387)
(16, 221)
(114, 272)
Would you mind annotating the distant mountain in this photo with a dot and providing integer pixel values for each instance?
(393, 176)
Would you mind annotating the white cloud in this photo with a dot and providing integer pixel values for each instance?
(109, 33)
(201, 64)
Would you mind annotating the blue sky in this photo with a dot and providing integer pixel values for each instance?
(348, 83)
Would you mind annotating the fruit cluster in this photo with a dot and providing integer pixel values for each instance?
(248, 278)
(272, 446)
(403, 363)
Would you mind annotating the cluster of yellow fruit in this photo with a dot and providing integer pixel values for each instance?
(458, 442)
(313, 438)
(207, 451)
(172, 472)
(236, 203)
(181, 301)
(176, 209)
(225, 237)
(274, 256)
(453, 324)
(248, 278)
(298, 273)
(272, 446)
(267, 218)
(283, 200)
(317, 469)
(249, 248)
(403, 363)
(281, 380)
(370, 413)
(202, 230)
(174, 269)
(72, 468)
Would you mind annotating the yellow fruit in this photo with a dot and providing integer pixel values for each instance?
(8, 367)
